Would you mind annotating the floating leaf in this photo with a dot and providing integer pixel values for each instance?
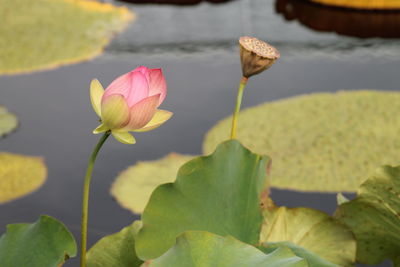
(47, 242)
(218, 193)
(116, 250)
(313, 259)
(374, 217)
(20, 175)
(43, 34)
(196, 249)
(8, 121)
(312, 230)
(133, 187)
(321, 142)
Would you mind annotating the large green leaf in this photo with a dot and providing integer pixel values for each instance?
(312, 230)
(133, 187)
(218, 193)
(323, 141)
(313, 259)
(116, 250)
(374, 217)
(20, 175)
(43, 34)
(47, 242)
(8, 121)
(201, 249)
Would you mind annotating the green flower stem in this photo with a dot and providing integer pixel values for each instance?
(85, 200)
(242, 85)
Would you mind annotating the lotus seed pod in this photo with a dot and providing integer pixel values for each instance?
(256, 55)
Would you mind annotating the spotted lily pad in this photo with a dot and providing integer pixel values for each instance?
(312, 230)
(8, 121)
(43, 34)
(133, 187)
(198, 248)
(374, 217)
(20, 175)
(326, 142)
(47, 242)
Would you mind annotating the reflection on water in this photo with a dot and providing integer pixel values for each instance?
(206, 29)
(174, 2)
(362, 24)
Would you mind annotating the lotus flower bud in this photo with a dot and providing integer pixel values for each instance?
(256, 55)
(130, 103)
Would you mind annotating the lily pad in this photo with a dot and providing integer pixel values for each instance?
(20, 175)
(313, 259)
(312, 230)
(196, 249)
(43, 34)
(219, 193)
(133, 187)
(374, 217)
(116, 250)
(326, 142)
(8, 121)
(47, 242)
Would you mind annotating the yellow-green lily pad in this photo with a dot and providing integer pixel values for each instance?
(312, 230)
(8, 121)
(133, 187)
(44, 34)
(20, 175)
(326, 142)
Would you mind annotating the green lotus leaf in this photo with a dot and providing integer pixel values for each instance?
(198, 249)
(325, 142)
(313, 259)
(47, 242)
(43, 34)
(374, 217)
(20, 175)
(312, 230)
(116, 250)
(219, 193)
(133, 187)
(8, 121)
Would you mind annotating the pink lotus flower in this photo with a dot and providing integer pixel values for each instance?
(130, 103)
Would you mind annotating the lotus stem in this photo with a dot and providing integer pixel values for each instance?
(239, 97)
(85, 199)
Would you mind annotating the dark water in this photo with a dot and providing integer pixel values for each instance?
(196, 47)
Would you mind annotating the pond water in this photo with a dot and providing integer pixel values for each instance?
(196, 47)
